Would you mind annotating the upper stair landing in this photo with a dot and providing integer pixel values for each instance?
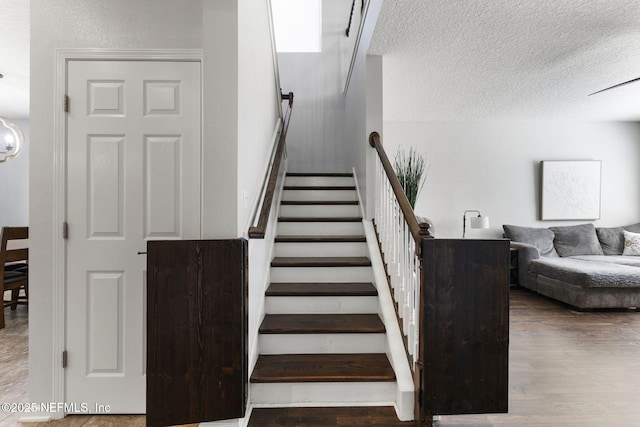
(319, 179)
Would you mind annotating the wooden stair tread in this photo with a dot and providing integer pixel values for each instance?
(329, 174)
(318, 187)
(322, 324)
(318, 202)
(321, 289)
(320, 219)
(352, 416)
(320, 239)
(322, 368)
(359, 261)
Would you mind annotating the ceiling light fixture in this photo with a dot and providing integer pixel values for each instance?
(11, 140)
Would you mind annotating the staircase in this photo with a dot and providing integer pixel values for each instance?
(322, 341)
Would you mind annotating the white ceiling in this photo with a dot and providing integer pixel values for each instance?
(509, 59)
(14, 58)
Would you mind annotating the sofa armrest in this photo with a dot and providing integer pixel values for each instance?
(526, 254)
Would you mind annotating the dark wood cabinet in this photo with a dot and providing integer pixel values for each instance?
(465, 326)
(196, 331)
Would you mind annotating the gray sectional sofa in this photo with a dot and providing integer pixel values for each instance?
(580, 265)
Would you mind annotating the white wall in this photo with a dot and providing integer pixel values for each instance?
(363, 100)
(316, 141)
(356, 118)
(494, 167)
(14, 184)
(240, 111)
(258, 103)
(220, 118)
(167, 24)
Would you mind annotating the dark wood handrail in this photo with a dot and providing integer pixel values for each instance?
(348, 30)
(289, 97)
(258, 231)
(419, 231)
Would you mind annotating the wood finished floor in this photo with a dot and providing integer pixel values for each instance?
(566, 369)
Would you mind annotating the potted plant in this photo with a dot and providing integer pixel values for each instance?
(411, 170)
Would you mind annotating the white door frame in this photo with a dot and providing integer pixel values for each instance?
(58, 279)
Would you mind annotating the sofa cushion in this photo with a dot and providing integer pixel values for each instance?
(611, 240)
(632, 261)
(541, 238)
(587, 273)
(576, 240)
(634, 228)
(631, 244)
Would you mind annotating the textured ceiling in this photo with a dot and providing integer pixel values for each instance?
(14, 58)
(508, 59)
(460, 60)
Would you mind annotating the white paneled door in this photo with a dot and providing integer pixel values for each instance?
(133, 155)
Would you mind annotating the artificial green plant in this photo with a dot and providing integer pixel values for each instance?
(411, 170)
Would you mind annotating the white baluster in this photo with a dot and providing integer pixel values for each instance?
(399, 254)
(403, 304)
(408, 305)
(417, 314)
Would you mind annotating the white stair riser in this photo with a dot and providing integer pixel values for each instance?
(319, 195)
(321, 274)
(318, 180)
(320, 210)
(320, 228)
(321, 343)
(317, 249)
(321, 305)
(323, 394)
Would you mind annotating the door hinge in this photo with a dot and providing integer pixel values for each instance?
(65, 230)
(65, 104)
(64, 359)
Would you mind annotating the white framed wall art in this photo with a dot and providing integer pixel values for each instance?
(571, 189)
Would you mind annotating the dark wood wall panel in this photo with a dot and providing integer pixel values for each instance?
(465, 326)
(197, 326)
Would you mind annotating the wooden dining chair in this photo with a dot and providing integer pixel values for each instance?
(14, 267)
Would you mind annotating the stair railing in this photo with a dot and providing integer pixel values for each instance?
(452, 300)
(348, 30)
(400, 237)
(263, 210)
